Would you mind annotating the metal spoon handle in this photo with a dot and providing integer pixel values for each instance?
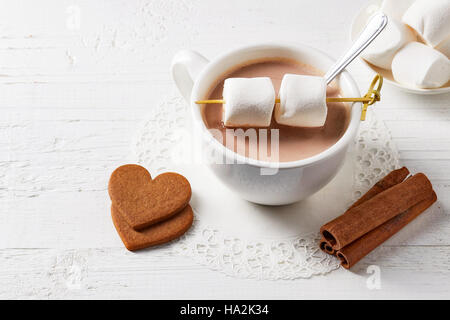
(376, 24)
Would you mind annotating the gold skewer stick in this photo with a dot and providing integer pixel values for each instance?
(372, 96)
(362, 99)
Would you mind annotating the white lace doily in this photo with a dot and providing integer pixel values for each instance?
(245, 240)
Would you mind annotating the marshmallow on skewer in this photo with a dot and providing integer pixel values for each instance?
(302, 101)
(421, 66)
(383, 49)
(431, 19)
(395, 8)
(249, 102)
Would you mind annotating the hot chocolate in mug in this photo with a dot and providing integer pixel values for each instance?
(264, 182)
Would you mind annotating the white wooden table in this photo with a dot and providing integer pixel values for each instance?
(77, 76)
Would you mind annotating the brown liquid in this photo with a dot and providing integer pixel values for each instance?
(294, 143)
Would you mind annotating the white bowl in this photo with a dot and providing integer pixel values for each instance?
(358, 24)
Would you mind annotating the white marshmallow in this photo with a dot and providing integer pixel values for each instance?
(444, 47)
(383, 49)
(248, 102)
(395, 8)
(421, 66)
(430, 18)
(302, 101)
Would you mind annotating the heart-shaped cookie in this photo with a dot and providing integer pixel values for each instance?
(159, 233)
(143, 201)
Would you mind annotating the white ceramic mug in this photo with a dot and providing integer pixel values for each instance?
(195, 75)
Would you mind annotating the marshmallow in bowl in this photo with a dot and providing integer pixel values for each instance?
(444, 47)
(431, 20)
(395, 8)
(419, 65)
(249, 102)
(383, 49)
(302, 101)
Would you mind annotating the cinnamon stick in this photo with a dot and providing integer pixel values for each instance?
(372, 213)
(390, 180)
(325, 246)
(358, 249)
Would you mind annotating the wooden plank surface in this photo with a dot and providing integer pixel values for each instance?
(76, 77)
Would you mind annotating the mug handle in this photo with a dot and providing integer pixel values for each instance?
(185, 68)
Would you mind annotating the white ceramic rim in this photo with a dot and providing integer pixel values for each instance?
(406, 88)
(343, 142)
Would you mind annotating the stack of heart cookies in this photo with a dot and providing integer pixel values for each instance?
(146, 211)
